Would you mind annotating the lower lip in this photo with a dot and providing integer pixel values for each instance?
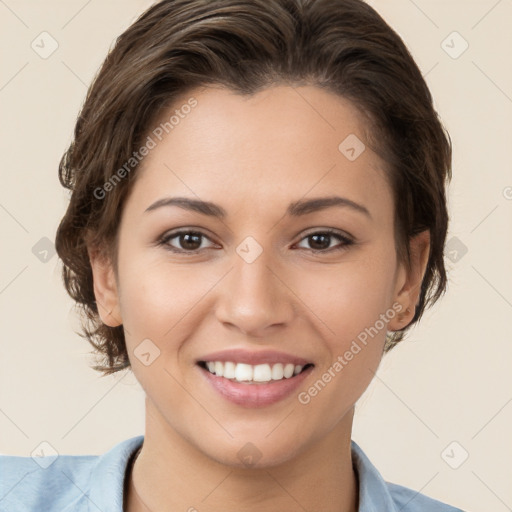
(257, 394)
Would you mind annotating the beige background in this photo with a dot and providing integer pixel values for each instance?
(451, 381)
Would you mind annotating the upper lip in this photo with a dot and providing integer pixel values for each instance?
(254, 357)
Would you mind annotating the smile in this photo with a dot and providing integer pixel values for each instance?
(242, 372)
(253, 386)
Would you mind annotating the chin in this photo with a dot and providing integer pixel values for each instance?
(242, 453)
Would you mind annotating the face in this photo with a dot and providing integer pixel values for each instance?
(261, 274)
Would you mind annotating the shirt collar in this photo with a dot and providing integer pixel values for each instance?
(374, 494)
(107, 477)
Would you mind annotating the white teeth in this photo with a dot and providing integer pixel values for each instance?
(288, 370)
(229, 370)
(277, 372)
(219, 368)
(258, 373)
(262, 373)
(242, 371)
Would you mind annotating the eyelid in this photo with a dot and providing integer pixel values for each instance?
(330, 231)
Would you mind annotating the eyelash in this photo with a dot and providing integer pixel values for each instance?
(165, 239)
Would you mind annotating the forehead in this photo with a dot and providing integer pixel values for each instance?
(278, 144)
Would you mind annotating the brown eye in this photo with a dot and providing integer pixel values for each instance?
(184, 241)
(320, 241)
(190, 241)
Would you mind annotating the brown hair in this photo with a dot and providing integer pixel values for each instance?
(343, 46)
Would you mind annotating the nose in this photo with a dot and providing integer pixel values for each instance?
(254, 297)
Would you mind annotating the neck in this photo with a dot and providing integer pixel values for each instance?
(171, 474)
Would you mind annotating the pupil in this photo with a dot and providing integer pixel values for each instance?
(320, 245)
(186, 241)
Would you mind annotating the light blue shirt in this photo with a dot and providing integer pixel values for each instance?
(92, 483)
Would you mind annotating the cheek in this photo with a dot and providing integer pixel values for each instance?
(350, 297)
(349, 303)
(161, 301)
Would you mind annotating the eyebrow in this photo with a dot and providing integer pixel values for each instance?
(295, 209)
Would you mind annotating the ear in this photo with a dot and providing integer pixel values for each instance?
(105, 288)
(408, 286)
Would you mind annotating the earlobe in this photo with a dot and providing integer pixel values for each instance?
(409, 293)
(105, 289)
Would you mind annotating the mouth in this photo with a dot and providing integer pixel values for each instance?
(253, 374)
(253, 386)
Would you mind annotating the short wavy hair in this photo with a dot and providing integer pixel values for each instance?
(342, 46)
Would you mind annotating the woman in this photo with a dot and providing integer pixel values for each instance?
(257, 216)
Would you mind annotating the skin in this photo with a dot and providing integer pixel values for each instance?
(253, 156)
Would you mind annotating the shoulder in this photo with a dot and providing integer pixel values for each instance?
(375, 494)
(28, 483)
(65, 483)
(409, 500)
